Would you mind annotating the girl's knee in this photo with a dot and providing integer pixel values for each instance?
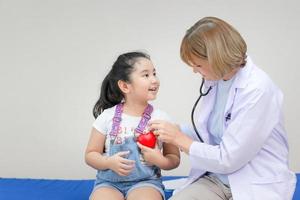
(107, 194)
(144, 193)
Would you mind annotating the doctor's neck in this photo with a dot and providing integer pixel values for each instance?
(231, 74)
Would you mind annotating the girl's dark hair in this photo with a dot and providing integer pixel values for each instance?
(110, 93)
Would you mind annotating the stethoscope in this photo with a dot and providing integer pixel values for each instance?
(192, 114)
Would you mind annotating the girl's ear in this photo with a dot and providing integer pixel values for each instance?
(124, 87)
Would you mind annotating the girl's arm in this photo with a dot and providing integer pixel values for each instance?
(94, 151)
(169, 159)
(95, 159)
(171, 155)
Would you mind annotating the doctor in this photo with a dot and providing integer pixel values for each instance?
(245, 151)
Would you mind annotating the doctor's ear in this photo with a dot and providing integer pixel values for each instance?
(124, 86)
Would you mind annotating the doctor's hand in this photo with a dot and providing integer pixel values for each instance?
(171, 133)
(166, 131)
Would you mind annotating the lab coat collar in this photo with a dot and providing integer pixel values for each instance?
(243, 74)
(241, 80)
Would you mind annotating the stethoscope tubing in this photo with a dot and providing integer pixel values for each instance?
(195, 105)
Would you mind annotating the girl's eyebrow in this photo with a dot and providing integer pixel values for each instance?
(146, 71)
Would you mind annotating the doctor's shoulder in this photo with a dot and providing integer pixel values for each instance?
(261, 81)
(260, 87)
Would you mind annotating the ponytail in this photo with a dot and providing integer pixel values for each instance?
(110, 93)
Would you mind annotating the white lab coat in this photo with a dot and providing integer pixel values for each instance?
(254, 149)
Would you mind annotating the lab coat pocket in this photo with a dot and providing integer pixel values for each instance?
(272, 188)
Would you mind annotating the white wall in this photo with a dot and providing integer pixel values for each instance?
(55, 53)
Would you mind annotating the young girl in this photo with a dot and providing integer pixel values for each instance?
(126, 168)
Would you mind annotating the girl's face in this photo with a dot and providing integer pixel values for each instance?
(144, 83)
(202, 67)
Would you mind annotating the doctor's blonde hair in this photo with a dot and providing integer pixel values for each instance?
(218, 42)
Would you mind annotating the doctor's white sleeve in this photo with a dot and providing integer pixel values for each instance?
(188, 130)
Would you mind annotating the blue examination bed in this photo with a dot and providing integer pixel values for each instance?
(51, 189)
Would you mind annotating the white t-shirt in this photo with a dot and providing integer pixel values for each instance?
(103, 124)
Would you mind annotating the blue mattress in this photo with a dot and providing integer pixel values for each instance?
(50, 189)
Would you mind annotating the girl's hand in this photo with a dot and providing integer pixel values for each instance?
(166, 131)
(121, 165)
(151, 156)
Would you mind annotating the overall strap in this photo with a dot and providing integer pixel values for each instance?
(117, 120)
(145, 118)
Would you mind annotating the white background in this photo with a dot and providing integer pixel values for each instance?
(54, 55)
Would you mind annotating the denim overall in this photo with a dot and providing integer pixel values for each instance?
(141, 173)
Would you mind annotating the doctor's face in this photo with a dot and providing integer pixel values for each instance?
(202, 67)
